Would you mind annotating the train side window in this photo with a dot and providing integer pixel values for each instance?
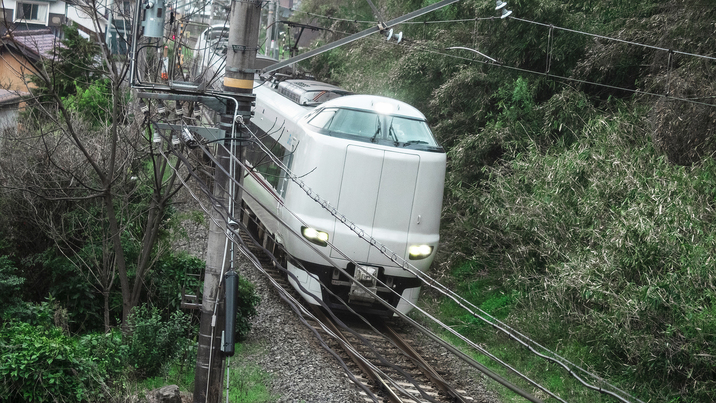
(284, 179)
(262, 163)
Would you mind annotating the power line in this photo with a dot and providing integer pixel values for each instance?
(294, 304)
(430, 282)
(613, 39)
(496, 377)
(558, 77)
(548, 60)
(370, 240)
(439, 287)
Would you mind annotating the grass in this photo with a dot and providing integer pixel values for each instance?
(182, 376)
(599, 249)
(180, 372)
(489, 293)
(248, 383)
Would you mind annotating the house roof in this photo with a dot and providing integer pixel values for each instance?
(35, 44)
(11, 97)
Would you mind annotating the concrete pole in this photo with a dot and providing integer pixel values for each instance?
(244, 26)
(209, 361)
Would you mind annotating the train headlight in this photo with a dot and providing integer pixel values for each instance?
(417, 252)
(315, 236)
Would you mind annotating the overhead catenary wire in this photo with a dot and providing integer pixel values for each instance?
(499, 379)
(394, 257)
(330, 292)
(568, 78)
(292, 301)
(551, 27)
(384, 251)
(421, 275)
(391, 255)
(218, 204)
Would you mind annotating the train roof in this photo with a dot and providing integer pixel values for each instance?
(376, 103)
(309, 92)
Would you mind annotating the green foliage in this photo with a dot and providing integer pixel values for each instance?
(106, 352)
(28, 312)
(71, 289)
(42, 364)
(246, 308)
(152, 342)
(171, 274)
(10, 285)
(74, 67)
(93, 103)
(613, 243)
(78, 79)
(248, 383)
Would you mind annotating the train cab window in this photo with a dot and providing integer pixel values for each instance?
(396, 131)
(347, 121)
(410, 131)
(323, 118)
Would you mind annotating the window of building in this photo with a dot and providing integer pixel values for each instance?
(32, 12)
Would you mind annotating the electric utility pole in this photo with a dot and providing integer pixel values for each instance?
(238, 86)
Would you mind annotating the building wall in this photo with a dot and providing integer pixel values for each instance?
(58, 14)
(8, 118)
(85, 23)
(13, 68)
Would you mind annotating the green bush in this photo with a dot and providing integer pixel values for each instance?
(611, 247)
(248, 300)
(42, 364)
(169, 276)
(10, 286)
(152, 342)
(106, 352)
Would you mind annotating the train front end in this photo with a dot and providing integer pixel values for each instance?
(376, 162)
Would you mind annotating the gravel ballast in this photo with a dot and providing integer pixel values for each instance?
(298, 368)
(302, 371)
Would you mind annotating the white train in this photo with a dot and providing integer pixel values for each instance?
(210, 52)
(375, 160)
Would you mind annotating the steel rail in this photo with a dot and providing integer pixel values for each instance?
(423, 365)
(374, 376)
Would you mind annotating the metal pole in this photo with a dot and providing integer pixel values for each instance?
(270, 22)
(238, 84)
(108, 31)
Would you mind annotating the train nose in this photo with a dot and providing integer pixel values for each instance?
(377, 192)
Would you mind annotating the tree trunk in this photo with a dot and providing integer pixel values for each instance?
(119, 256)
(105, 294)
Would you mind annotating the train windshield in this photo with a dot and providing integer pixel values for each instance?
(397, 131)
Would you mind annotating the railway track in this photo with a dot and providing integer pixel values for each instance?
(384, 360)
(383, 363)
